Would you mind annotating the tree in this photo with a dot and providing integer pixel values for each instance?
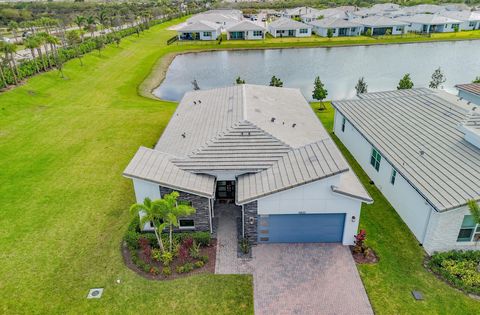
(361, 86)
(239, 80)
(73, 40)
(172, 210)
(80, 21)
(319, 92)
(476, 80)
(150, 212)
(32, 43)
(474, 210)
(388, 32)
(117, 40)
(90, 21)
(405, 83)
(437, 79)
(99, 44)
(10, 49)
(274, 81)
(330, 33)
(13, 27)
(368, 32)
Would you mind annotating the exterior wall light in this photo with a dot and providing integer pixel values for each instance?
(251, 220)
(354, 218)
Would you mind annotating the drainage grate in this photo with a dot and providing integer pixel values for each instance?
(95, 293)
(417, 295)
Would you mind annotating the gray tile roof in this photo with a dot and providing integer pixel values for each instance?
(246, 129)
(396, 93)
(155, 166)
(429, 19)
(380, 21)
(332, 22)
(418, 134)
(464, 15)
(245, 26)
(199, 26)
(473, 88)
(286, 23)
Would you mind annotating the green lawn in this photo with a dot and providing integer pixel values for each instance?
(64, 203)
(400, 268)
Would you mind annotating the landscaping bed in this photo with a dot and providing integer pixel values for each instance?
(460, 269)
(191, 253)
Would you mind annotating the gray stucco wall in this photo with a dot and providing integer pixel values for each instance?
(251, 221)
(201, 216)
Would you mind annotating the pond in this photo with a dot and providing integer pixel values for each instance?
(338, 67)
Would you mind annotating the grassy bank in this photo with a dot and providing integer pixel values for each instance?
(400, 269)
(64, 145)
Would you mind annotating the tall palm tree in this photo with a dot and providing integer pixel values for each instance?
(32, 43)
(151, 213)
(9, 50)
(91, 25)
(80, 21)
(2, 61)
(13, 27)
(103, 19)
(43, 38)
(73, 40)
(53, 42)
(41, 41)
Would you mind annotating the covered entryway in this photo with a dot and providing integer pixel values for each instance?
(301, 228)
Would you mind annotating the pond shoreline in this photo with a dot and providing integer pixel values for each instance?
(158, 72)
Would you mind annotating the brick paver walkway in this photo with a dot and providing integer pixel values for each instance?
(319, 279)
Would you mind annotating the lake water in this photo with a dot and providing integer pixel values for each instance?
(338, 67)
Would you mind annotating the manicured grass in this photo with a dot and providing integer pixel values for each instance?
(64, 203)
(400, 268)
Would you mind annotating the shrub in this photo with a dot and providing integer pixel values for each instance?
(204, 258)
(187, 243)
(188, 267)
(202, 238)
(145, 247)
(146, 267)
(154, 270)
(180, 269)
(459, 268)
(199, 264)
(245, 245)
(166, 271)
(156, 254)
(195, 250)
(166, 258)
(131, 238)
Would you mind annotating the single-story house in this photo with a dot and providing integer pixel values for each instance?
(296, 13)
(325, 13)
(469, 92)
(421, 149)
(381, 25)
(430, 23)
(424, 9)
(263, 149)
(224, 18)
(285, 27)
(201, 30)
(246, 30)
(385, 9)
(470, 20)
(339, 27)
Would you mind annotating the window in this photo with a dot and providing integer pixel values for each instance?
(343, 124)
(207, 34)
(257, 33)
(399, 29)
(185, 202)
(353, 29)
(472, 24)
(393, 176)
(469, 231)
(375, 159)
(187, 224)
(303, 31)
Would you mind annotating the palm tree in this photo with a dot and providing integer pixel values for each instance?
(102, 18)
(41, 41)
(13, 27)
(32, 43)
(73, 40)
(91, 25)
(80, 21)
(53, 42)
(151, 213)
(2, 61)
(9, 50)
(43, 38)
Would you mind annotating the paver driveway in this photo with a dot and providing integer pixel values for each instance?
(307, 279)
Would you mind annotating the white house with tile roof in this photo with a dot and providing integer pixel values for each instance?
(285, 27)
(430, 23)
(421, 149)
(200, 30)
(262, 148)
(247, 30)
(339, 27)
(470, 20)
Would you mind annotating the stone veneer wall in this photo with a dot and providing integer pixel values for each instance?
(250, 223)
(201, 216)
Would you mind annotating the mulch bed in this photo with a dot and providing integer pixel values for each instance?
(209, 267)
(360, 258)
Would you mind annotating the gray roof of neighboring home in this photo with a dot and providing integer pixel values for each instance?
(418, 134)
(199, 26)
(156, 166)
(244, 128)
(427, 19)
(379, 21)
(286, 23)
(464, 15)
(406, 92)
(332, 22)
(424, 8)
(473, 88)
(245, 26)
(214, 18)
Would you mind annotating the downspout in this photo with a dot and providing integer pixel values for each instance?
(243, 222)
(426, 226)
(210, 214)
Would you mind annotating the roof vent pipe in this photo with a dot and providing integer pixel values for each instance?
(293, 126)
(184, 135)
(273, 119)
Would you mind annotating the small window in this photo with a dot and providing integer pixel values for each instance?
(467, 230)
(185, 202)
(257, 33)
(207, 34)
(375, 159)
(393, 177)
(187, 224)
(303, 31)
(343, 124)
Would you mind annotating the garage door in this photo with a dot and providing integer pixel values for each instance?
(301, 228)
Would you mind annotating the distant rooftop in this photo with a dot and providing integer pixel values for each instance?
(473, 88)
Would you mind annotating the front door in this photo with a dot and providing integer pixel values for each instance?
(226, 190)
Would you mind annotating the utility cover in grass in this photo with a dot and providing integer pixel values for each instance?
(95, 293)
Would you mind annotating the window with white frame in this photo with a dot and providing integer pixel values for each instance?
(375, 159)
(207, 34)
(343, 124)
(469, 231)
(393, 176)
(303, 31)
(186, 224)
(257, 33)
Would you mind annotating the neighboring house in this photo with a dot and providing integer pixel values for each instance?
(385, 9)
(326, 13)
(285, 27)
(470, 20)
(430, 23)
(381, 25)
(414, 146)
(296, 13)
(423, 9)
(224, 18)
(246, 30)
(262, 148)
(339, 27)
(469, 92)
(201, 30)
